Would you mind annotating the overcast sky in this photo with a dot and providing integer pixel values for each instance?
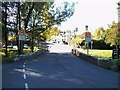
(94, 13)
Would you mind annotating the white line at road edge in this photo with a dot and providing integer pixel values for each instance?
(26, 86)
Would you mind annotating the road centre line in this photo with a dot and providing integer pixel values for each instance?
(26, 86)
(24, 70)
(24, 63)
(23, 66)
(24, 76)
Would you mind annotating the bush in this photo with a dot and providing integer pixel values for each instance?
(7, 59)
(97, 44)
(119, 64)
(100, 44)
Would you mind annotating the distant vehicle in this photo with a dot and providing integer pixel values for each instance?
(15, 47)
(25, 46)
(9, 46)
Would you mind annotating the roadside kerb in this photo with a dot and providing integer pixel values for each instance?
(22, 57)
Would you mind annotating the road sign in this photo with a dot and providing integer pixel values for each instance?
(21, 37)
(87, 36)
(22, 34)
(115, 53)
(88, 39)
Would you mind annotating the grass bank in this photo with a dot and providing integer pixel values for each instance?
(11, 54)
(106, 54)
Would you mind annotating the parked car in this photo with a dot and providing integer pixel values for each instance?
(9, 46)
(25, 46)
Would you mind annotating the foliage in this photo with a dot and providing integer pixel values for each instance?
(99, 33)
(112, 34)
(11, 54)
(100, 44)
(76, 40)
(34, 17)
(119, 64)
(51, 32)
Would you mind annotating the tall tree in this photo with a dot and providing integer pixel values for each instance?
(4, 25)
(51, 32)
(100, 33)
(44, 15)
(112, 34)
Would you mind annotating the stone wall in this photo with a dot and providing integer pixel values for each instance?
(108, 64)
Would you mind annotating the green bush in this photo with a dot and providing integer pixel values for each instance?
(7, 59)
(119, 64)
(97, 44)
(100, 44)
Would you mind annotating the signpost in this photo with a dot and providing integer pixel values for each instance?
(22, 37)
(87, 38)
(22, 34)
(115, 53)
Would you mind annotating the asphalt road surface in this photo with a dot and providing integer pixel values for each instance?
(57, 69)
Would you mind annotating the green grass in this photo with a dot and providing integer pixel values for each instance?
(11, 54)
(74, 41)
(106, 54)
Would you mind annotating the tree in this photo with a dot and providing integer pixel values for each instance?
(4, 25)
(34, 17)
(51, 32)
(44, 17)
(113, 34)
(100, 33)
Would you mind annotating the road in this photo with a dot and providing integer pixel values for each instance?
(57, 69)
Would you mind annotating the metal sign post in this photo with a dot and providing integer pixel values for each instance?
(88, 40)
(22, 37)
(115, 53)
(22, 34)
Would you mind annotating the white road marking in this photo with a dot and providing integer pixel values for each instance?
(24, 70)
(24, 76)
(24, 63)
(23, 66)
(26, 86)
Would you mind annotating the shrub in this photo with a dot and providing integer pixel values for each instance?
(100, 44)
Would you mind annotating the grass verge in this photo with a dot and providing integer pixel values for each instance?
(106, 54)
(11, 54)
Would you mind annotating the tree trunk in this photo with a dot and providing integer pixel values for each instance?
(19, 24)
(17, 38)
(6, 39)
(32, 48)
